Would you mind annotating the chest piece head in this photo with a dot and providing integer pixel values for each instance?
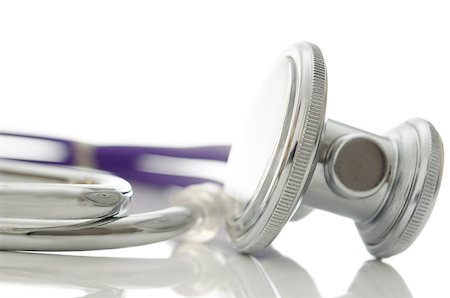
(289, 161)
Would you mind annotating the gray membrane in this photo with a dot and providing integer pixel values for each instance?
(360, 164)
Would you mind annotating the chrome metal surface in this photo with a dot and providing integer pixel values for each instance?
(271, 165)
(284, 166)
(77, 209)
(287, 162)
(414, 190)
(390, 216)
(327, 193)
(110, 232)
(34, 191)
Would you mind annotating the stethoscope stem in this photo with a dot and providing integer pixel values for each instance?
(354, 172)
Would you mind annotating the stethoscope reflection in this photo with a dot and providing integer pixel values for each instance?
(192, 270)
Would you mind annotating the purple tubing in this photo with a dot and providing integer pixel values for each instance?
(124, 161)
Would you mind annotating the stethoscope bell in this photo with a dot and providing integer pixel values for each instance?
(289, 161)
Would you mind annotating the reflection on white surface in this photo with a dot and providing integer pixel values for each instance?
(191, 270)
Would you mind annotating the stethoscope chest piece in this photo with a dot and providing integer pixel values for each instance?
(289, 160)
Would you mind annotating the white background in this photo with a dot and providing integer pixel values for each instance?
(184, 72)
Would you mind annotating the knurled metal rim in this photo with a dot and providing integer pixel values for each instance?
(305, 156)
(428, 193)
(416, 192)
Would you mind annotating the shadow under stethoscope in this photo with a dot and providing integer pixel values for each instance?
(192, 270)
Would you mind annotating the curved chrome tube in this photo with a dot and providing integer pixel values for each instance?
(79, 209)
(111, 232)
(34, 191)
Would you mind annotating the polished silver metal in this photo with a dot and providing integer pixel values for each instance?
(390, 215)
(285, 157)
(288, 162)
(420, 160)
(110, 232)
(387, 184)
(65, 208)
(33, 191)
(327, 192)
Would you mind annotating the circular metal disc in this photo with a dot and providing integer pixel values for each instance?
(271, 164)
(420, 161)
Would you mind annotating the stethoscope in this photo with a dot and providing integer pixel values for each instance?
(287, 162)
